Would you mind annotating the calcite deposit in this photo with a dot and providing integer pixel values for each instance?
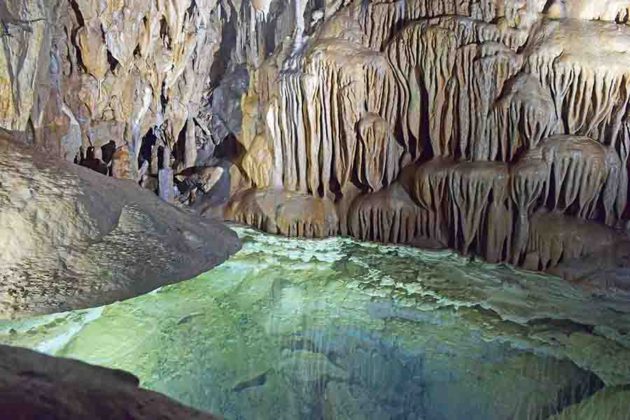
(497, 128)
(474, 125)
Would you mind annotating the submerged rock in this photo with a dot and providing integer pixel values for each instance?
(307, 366)
(335, 328)
(609, 403)
(72, 238)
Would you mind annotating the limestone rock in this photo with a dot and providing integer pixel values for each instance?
(492, 117)
(72, 238)
(124, 63)
(388, 216)
(464, 118)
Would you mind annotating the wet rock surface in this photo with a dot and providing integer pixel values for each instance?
(72, 238)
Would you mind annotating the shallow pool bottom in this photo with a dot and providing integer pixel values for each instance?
(337, 329)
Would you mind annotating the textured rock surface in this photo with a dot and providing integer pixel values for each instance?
(86, 74)
(496, 127)
(467, 124)
(35, 386)
(72, 238)
(285, 213)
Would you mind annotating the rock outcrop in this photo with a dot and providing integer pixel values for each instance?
(90, 78)
(72, 238)
(34, 386)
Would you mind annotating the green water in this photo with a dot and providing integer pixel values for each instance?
(337, 329)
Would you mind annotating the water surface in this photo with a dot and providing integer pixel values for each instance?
(338, 329)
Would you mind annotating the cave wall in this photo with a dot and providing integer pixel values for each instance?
(498, 128)
(495, 127)
(89, 74)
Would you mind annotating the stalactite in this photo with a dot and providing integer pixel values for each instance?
(319, 111)
(428, 186)
(472, 187)
(579, 167)
(378, 155)
(528, 182)
(522, 117)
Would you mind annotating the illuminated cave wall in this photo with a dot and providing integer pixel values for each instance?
(496, 127)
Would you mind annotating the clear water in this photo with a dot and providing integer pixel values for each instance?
(337, 329)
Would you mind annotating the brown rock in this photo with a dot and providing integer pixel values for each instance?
(35, 386)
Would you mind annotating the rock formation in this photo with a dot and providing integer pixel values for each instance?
(497, 127)
(72, 238)
(35, 386)
(467, 124)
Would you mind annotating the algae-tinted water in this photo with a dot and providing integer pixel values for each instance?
(336, 329)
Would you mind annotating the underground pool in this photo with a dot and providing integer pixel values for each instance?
(339, 329)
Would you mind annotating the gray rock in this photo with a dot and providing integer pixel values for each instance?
(227, 115)
(71, 238)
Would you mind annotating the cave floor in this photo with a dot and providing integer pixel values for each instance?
(339, 329)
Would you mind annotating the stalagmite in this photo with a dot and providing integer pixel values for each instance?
(190, 146)
(120, 163)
